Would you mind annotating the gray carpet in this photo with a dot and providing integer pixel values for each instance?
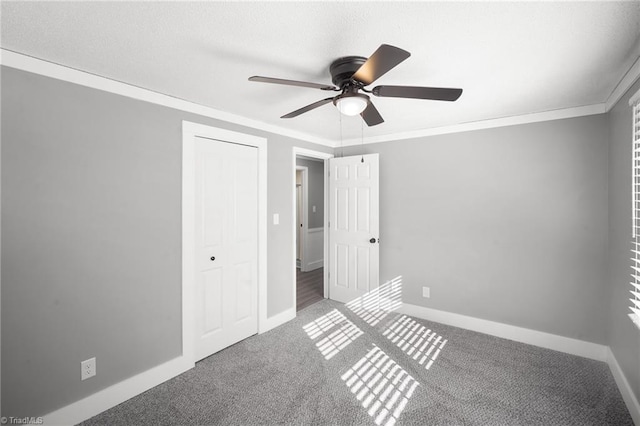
(331, 367)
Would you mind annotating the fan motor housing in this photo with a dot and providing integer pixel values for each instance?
(342, 69)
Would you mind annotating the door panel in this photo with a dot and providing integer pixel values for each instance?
(212, 281)
(363, 263)
(341, 203)
(342, 265)
(353, 222)
(211, 192)
(363, 171)
(363, 204)
(226, 208)
(243, 290)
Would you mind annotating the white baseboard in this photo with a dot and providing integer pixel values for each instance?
(314, 265)
(511, 332)
(100, 401)
(313, 249)
(625, 389)
(277, 320)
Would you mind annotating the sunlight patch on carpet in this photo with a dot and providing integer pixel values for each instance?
(381, 385)
(334, 332)
(416, 340)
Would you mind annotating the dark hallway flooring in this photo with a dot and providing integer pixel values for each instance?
(309, 287)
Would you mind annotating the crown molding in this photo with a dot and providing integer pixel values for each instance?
(557, 114)
(30, 64)
(625, 84)
(628, 79)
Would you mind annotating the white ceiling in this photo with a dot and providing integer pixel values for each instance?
(511, 58)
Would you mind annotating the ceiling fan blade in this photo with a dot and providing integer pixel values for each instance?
(371, 116)
(307, 108)
(433, 93)
(382, 60)
(261, 79)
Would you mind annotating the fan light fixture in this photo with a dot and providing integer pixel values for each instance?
(350, 75)
(351, 103)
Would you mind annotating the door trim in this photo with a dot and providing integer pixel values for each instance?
(190, 131)
(304, 214)
(295, 152)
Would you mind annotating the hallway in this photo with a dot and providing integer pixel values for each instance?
(309, 287)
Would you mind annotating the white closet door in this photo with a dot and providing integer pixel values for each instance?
(226, 231)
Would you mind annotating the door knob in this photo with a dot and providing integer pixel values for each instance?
(372, 241)
(213, 258)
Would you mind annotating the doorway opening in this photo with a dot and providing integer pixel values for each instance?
(311, 213)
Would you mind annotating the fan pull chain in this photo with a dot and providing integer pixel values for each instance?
(341, 148)
(361, 139)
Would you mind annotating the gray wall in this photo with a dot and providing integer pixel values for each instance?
(91, 241)
(315, 179)
(624, 337)
(505, 224)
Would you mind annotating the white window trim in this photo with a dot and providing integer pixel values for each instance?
(634, 305)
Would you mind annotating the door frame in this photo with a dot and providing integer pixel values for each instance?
(305, 212)
(295, 152)
(190, 131)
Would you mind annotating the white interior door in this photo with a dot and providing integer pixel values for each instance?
(353, 226)
(226, 239)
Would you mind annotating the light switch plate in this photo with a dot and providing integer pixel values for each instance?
(276, 219)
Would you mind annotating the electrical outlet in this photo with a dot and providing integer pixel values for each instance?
(314, 209)
(276, 219)
(426, 292)
(88, 368)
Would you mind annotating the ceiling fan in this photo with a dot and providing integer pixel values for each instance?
(351, 74)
